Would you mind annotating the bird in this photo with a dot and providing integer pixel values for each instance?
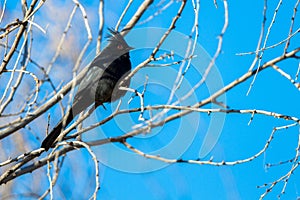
(100, 84)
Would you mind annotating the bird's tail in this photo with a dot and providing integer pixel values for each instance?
(53, 135)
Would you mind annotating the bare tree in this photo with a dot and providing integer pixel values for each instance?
(45, 46)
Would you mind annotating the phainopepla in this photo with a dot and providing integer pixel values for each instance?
(100, 83)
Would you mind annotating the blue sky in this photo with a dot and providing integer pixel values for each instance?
(131, 177)
(270, 92)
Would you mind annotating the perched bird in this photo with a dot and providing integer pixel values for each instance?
(99, 85)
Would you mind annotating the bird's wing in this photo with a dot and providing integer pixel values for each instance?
(85, 95)
(90, 80)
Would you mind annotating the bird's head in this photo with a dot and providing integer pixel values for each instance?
(118, 43)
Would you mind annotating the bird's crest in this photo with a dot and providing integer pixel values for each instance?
(115, 36)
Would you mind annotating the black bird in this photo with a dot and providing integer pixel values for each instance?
(100, 83)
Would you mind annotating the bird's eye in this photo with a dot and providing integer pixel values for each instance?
(120, 46)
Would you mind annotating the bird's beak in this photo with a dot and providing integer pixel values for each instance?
(130, 48)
